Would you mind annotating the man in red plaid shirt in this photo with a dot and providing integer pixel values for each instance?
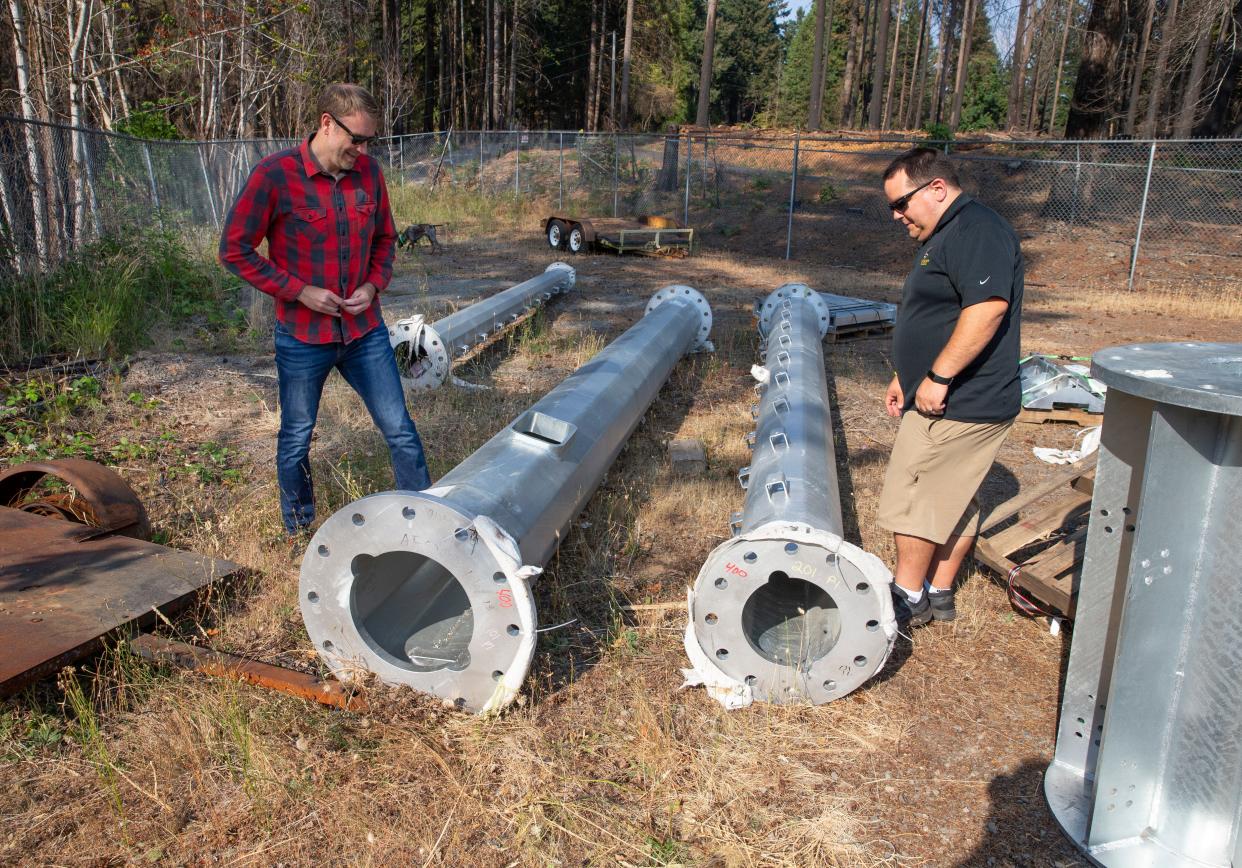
(323, 209)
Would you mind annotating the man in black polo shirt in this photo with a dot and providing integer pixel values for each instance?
(956, 385)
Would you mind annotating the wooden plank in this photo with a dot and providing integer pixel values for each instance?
(1062, 555)
(1022, 499)
(1078, 417)
(1039, 524)
(988, 555)
(1057, 593)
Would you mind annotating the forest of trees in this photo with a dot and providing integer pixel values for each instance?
(210, 69)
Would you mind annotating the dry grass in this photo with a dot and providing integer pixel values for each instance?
(604, 761)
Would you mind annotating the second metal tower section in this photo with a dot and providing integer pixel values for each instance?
(426, 351)
(787, 610)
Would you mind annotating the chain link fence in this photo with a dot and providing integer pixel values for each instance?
(1158, 204)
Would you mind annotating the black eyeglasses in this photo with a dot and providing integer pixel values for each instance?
(353, 137)
(899, 205)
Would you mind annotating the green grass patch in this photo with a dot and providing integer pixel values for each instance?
(106, 299)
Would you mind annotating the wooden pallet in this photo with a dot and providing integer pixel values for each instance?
(1047, 570)
(1078, 417)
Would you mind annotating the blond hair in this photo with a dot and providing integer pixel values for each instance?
(340, 99)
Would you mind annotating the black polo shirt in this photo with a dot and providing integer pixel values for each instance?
(972, 255)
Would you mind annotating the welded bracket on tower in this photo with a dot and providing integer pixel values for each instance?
(426, 351)
(787, 610)
(432, 589)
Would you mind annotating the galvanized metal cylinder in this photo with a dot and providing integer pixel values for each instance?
(425, 352)
(788, 609)
(423, 588)
(1148, 763)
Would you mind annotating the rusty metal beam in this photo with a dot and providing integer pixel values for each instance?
(222, 665)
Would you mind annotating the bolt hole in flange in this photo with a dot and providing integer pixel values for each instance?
(412, 610)
(790, 622)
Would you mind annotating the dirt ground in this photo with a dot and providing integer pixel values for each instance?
(605, 760)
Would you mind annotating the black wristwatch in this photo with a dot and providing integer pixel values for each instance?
(937, 379)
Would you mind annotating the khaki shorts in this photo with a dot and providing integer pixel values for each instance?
(934, 473)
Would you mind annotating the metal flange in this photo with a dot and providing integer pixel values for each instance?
(812, 613)
(705, 325)
(768, 310)
(400, 584)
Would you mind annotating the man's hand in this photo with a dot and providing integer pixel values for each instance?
(359, 300)
(929, 399)
(894, 398)
(319, 299)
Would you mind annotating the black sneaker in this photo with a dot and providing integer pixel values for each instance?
(942, 608)
(910, 614)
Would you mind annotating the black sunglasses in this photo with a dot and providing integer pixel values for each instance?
(353, 137)
(900, 205)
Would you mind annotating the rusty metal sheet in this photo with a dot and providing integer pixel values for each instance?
(63, 588)
(222, 665)
(103, 498)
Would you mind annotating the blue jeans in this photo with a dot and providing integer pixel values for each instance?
(368, 365)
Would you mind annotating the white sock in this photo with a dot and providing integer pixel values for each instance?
(912, 596)
(933, 590)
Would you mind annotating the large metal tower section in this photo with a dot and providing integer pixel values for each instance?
(787, 610)
(425, 351)
(1148, 763)
(431, 589)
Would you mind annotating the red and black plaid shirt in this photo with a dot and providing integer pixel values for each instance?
(320, 231)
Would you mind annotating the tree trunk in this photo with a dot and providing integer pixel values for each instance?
(815, 107)
(498, 86)
(514, 42)
(591, 65)
(1018, 67)
(1140, 66)
(1229, 75)
(432, 98)
(1066, 26)
(887, 117)
(625, 65)
(34, 164)
(1194, 81)
(846, 104)
(920, 103)
(963, 62)
(1155, 98)
(947, 26)
(910, 110)
(1037, 29)
(705, 68)
(597, 102)
(881, 57)
(1093, 100)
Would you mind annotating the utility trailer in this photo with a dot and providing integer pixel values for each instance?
(645, 234)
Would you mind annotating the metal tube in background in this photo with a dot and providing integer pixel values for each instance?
(793, 192)
(423, 589)
(211, 200)
(787, 609)
(1149, 743)
(426, 352)
(1138, 232)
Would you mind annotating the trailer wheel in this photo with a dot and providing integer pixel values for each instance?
(576, 240)
(556, 234)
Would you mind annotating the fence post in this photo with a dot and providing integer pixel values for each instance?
(689, 166)
(401, 155)
(1077, 176)
(480, 162)
(616, 161)
(1138, 233)
(155, 192)
(560, 155)
(202, 161)
(517, 162)
(793, 190)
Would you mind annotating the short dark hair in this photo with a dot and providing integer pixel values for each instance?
(341, 99)
(922, 165)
